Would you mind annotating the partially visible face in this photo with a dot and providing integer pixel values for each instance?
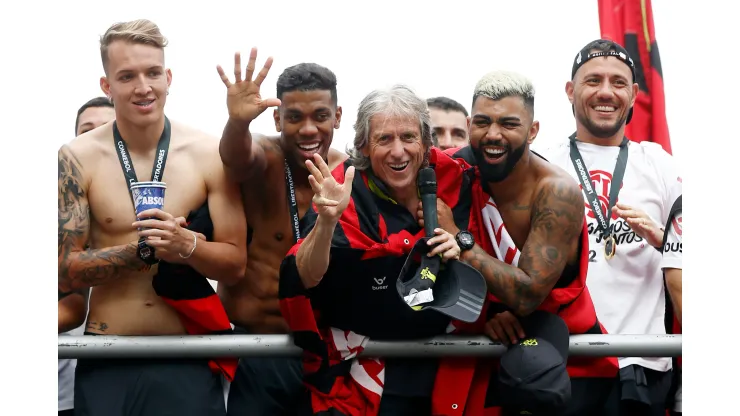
(395, 150)
(451, 128)
(500, 133)
(306, 121)
(602, 94)
(137, 81)
(94, 117)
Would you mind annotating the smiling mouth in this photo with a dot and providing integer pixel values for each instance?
(494, 152)
(398, 167)
(144, 103)
(605, 108)
(309, 147)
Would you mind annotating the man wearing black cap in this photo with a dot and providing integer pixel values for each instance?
(617, 175)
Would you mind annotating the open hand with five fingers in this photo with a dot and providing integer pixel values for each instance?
(243, 98)
(331, 198)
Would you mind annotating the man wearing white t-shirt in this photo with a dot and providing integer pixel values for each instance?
(629, 189)
(672, 269)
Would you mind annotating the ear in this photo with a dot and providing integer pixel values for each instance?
(169, 77)
(635, 91)
(533, 131)
(570, 91)
(105, 86)
(276, 117)
(338, 117)
(366, 149)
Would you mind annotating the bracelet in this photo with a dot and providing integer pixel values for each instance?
(195, 244)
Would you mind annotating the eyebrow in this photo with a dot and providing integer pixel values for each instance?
(123, 71)
(506, 119)
(598, 75)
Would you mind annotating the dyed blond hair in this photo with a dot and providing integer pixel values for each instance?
(140, 31)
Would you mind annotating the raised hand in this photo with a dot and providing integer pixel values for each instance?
(243, 98)
(330, 197)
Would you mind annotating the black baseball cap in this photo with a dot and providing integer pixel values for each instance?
(615, 50)
(532, 378)
(459, 290)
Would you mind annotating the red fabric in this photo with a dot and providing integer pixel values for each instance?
(188, 292)
(630, 24)
(452, 397)
(206, 316)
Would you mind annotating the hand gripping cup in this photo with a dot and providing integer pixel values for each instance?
(147, 195)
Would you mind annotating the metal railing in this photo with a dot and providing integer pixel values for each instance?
(193, 346)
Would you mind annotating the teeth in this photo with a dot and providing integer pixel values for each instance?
(309, 146)
(494, 152)
(605, 108)
(143, 103)
(399, 166)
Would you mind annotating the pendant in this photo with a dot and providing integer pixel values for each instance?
(610, 247)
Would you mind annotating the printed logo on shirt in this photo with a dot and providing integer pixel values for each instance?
(676, 224)
(673, 248)
(379, 282)
(601, 181)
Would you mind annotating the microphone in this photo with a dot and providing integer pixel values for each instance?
(427, 183)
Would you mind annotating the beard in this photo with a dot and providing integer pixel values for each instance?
(499, 171)
(602, 131)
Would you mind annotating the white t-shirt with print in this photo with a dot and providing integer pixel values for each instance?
(673, 249)
(672, 254)
(627, 290)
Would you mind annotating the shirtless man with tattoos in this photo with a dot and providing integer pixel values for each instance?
(99, 237)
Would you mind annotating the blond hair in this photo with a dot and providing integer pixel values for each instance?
(141, 31)
(499, 84)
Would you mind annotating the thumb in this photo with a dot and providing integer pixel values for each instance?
(270, 102)
(349, 176)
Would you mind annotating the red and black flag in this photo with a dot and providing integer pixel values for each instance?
(192, 296)
(630, 24)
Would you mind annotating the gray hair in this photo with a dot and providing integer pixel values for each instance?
(499, 84)
(398, 100)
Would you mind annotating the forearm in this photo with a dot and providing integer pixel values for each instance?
(222, 262)
(236, 148)
(673, 282)
(312, 258)
(509, 284)
(71, 312)
(85, 269)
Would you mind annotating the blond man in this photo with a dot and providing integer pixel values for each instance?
(128, 254)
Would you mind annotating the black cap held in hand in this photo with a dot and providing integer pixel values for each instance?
(427, 181)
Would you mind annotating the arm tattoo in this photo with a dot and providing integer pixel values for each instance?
(77, 268)
(556, 224)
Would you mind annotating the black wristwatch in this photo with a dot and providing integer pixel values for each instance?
(146, 253)
(465, 240)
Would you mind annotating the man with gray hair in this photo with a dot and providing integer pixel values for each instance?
(359, 232)
(531, 245)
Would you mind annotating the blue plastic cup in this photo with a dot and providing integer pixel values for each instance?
(148, 195)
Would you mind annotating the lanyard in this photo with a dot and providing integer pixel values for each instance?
(593, 199)
(159, 161)
(292, 202)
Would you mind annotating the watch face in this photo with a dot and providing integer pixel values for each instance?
(466, 238)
